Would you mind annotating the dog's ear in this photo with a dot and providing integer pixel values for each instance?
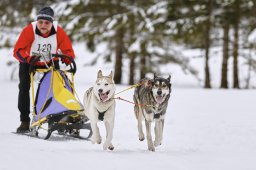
(111, 75)
(100, 74)
(150, 83)
(169, 78)
(170, 87)
(155, 76)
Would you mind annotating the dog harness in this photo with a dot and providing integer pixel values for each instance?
(157, 115)
(101, 115)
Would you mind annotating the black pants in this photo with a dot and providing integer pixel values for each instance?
(24, 88)
(23, 97)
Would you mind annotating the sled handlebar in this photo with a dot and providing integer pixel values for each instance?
(72, 65)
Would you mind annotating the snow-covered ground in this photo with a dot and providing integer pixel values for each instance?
(205, 130)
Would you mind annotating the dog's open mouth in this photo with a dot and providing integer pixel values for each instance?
(159, 98)
(104, 96)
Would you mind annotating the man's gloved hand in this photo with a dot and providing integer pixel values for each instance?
(67, 61)
(30, 59)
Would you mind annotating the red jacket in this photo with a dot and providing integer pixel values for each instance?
(23, 45)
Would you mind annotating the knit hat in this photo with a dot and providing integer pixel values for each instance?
(46, 13)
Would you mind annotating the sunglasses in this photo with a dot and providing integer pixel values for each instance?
(41, 22)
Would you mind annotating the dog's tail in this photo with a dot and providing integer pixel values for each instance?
(87, 95)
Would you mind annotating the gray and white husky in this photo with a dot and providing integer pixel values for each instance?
(99, 105)
(151, 100)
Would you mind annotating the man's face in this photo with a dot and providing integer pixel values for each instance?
(44, 26)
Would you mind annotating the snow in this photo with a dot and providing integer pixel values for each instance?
(252, 37)
(205, 130)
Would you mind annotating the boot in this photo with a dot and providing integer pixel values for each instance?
(23, 128)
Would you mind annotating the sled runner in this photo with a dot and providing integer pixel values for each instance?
(55, 106)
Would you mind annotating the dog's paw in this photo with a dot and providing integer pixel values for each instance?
(111, 147)
(93, 139)
(151, 148)
(157, 143)
(108, 146)
(98, 141)
(141, 137)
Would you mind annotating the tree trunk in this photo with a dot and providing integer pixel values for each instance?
(249, 68)
(207, 83)
(132, 55)
(132, 69)
(236, 46)
(143, 66)
(119, 57)
(224, 69)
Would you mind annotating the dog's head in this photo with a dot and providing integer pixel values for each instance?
(104, 88)
(161, 88)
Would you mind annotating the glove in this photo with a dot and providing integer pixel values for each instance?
(67, 61)
(29, 59)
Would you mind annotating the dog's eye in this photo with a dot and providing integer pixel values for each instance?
(164, 86)
(156, 85)
(106, 84)
(98, 84)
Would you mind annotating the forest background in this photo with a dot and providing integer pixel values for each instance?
(148, 35)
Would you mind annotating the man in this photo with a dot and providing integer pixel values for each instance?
(41, 36)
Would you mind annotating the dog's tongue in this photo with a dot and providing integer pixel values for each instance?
(103, 96)
(159, 99)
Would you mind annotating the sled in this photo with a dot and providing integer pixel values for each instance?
(55, 105)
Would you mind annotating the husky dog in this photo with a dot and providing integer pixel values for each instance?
(151, 100)
(99, 105)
